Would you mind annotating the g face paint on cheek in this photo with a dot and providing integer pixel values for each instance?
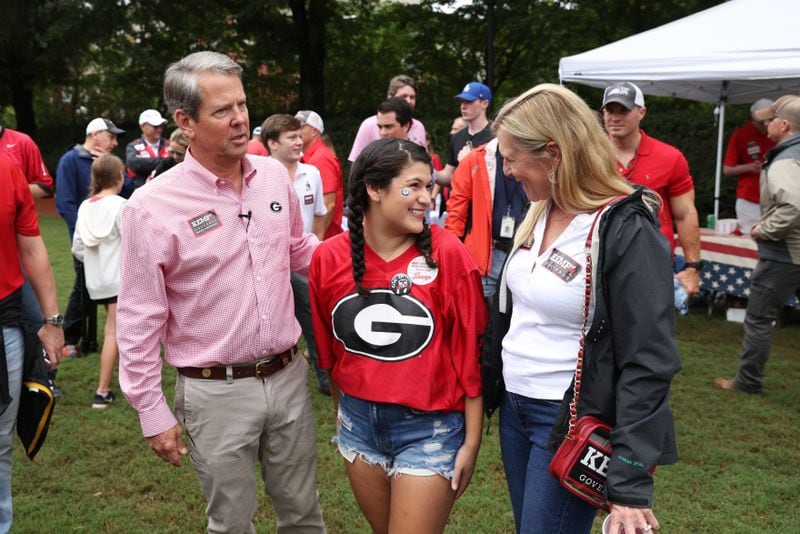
(405, 191)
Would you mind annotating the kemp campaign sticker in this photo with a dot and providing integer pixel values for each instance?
(204, 222)
(562, 265)
(420, 273)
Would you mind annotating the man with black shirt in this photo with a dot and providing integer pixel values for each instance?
(475, 99)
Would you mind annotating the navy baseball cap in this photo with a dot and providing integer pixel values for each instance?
(474, 91)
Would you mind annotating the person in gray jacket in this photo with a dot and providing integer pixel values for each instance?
(777, 273)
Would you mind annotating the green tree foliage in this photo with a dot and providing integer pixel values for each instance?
(66, 61)
(42, 44)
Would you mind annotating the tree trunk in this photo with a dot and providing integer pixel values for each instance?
(22, 101)
(309, 23)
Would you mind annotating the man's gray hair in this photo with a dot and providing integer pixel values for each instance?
(180, 80)
(401, 80)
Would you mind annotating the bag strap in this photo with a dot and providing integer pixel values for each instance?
(587, 299)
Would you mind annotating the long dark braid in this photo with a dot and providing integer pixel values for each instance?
(377, 165)
(424, 245)
(355, 223)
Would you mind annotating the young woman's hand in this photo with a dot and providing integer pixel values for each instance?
(465, 465)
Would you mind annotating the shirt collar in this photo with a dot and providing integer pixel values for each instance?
(196, 169)
(313, 147)
(644, 144)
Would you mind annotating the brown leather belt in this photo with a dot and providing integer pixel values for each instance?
(260, 369)
(504, 246)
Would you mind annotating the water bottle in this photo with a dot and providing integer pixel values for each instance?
(710, 222)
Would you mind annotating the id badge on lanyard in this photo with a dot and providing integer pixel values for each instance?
(507, 224)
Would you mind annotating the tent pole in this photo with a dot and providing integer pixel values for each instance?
(723, 97)
(718, 174)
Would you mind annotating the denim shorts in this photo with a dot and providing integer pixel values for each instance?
(401, 440)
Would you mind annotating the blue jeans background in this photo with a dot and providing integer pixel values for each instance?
(493, 276)
(15, 352)
(540, 503)
(302, 311)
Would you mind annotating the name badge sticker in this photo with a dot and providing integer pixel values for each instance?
(562, 266)
(205, 222)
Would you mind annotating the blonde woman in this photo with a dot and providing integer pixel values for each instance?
(552, 143)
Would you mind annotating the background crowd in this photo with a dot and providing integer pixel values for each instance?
(481, 199)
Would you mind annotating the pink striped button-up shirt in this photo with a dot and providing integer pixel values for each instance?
(211, 286)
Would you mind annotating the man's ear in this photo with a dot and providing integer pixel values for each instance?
(185, 123)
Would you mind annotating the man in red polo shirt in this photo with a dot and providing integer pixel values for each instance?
(320, 156)
(743, 158)
(20, 149)
(658, 166)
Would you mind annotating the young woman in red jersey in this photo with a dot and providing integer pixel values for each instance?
(398, 313)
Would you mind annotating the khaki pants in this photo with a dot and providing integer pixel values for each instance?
(231, 425)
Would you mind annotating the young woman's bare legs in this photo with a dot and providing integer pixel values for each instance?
(401, 503)
(108, 355)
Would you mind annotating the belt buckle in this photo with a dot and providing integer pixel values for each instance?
(259, 372)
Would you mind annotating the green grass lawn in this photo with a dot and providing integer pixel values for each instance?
(739, 469)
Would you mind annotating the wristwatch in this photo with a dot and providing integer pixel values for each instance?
(56, 320)
(698, 265)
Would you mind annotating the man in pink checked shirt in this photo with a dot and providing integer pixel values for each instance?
(207, 251)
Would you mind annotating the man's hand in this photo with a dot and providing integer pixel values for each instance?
(169, 445)
(754, 232)
(97, 152)
(690, 280)
(52, 339)
(466, 149)
(754, 166)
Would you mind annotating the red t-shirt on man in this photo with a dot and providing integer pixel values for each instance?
(746, 145)
(321, 157)
(663, 169)
(17, 216)
(20, 149)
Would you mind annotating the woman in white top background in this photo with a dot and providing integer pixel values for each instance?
(553, 144)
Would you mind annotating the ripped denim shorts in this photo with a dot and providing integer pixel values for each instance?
(402, 440)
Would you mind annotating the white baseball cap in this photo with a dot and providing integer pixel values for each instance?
(311, 118)
(151, 116)
(100, 124)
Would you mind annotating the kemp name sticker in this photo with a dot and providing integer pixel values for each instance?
(205, 222)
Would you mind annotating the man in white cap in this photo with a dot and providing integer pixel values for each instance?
(73, 174)
(145, 153)
(320, 156)
(743, 159)
(777, 273)
(646, 161)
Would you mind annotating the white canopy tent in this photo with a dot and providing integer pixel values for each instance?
(735, 53)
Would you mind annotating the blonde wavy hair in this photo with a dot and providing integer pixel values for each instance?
(586, 178)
